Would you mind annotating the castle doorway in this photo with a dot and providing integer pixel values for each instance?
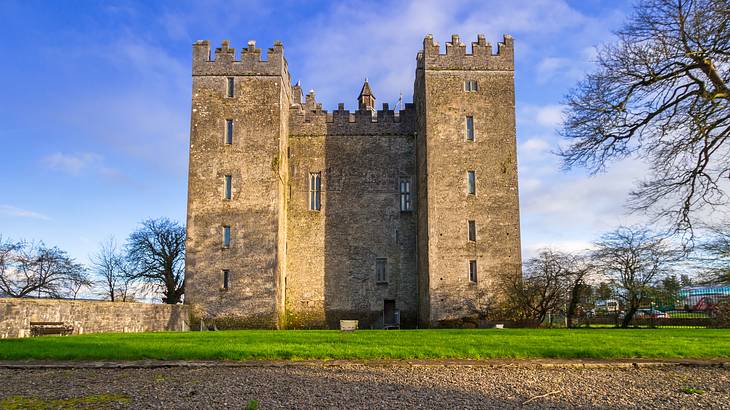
(388, 313)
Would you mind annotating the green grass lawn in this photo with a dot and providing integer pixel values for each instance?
(378, 344)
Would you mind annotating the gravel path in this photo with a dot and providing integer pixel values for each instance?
(375, 386)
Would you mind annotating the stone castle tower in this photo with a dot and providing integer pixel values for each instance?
(299, 217)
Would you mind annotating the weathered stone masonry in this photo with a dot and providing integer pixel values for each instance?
(16, 314)
(288, 265)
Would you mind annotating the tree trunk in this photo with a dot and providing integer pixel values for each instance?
(572, 304)
(629, 314)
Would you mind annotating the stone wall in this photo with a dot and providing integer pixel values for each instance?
(331, 273)
(445, 157)
(293, 267)
(255, 160)
(90, 316)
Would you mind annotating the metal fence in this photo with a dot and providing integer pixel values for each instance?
(696, 306)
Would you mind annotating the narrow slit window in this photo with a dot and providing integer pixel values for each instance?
(406, 203)
(315, 191)
(473, 271)
(229, 87)
(471, 183)
(228, 187)
(226, 236)
(229, 132)
(470, 128)
(380, 270)
(226, 278)
(472, 231)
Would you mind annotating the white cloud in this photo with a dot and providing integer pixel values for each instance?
(571, 246)
(573, 207)
(549, 115)
(14, 211)
(344, 44)
(535, 145)
(81, 163)
(144, 116)
(72, 164)
(549, 67)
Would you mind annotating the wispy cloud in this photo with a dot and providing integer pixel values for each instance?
(79, 163)
(547, 116)
(562, 245)
(383, 46)
(13, 211)
(73, 164)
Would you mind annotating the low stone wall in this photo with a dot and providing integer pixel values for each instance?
(90, 316)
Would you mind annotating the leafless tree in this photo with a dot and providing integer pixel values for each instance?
(115, 276)
(157, 253)
(634, 259)
(577, 269)
(714, 253)
(77, 279)
(33, 269)
(544, 288)
(483, 304)
(8, 256)
(660, 94)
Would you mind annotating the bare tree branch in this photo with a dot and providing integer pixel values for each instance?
(634, 259)
(156, 252)
(660, 94)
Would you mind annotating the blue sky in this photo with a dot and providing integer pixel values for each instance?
(95, 101)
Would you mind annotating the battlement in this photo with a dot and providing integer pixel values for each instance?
(248, 63)
(456, 57)
(304, 121)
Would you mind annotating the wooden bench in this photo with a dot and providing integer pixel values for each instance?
(50, 328)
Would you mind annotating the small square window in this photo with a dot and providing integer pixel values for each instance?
(471, 183)
(380, 270)
(226, 236)
(473, 271)
(470, 128)
(472, 231)
(229, 87)
(226, 278)
(229, 132)
(228, 193)
(315, 191)
(470, 86)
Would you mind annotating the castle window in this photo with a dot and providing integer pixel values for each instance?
(470, 128)
(471, 183)
(226, 236)
(380, 270)
(472, 231)
(315, 191)
(470, 86)
(473, 271)
(229, 132)
(228, 187)
(226, 278)
(405, 195)
(229, 87)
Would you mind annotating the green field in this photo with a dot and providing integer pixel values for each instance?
(378, 344)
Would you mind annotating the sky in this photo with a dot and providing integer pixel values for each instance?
(95, 101)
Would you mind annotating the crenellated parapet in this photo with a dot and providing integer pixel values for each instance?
(457, 58)
(225, 61)
(318, 122)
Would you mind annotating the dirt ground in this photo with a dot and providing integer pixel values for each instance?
(369, 386)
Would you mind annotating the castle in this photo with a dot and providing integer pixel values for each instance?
(299, 217)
